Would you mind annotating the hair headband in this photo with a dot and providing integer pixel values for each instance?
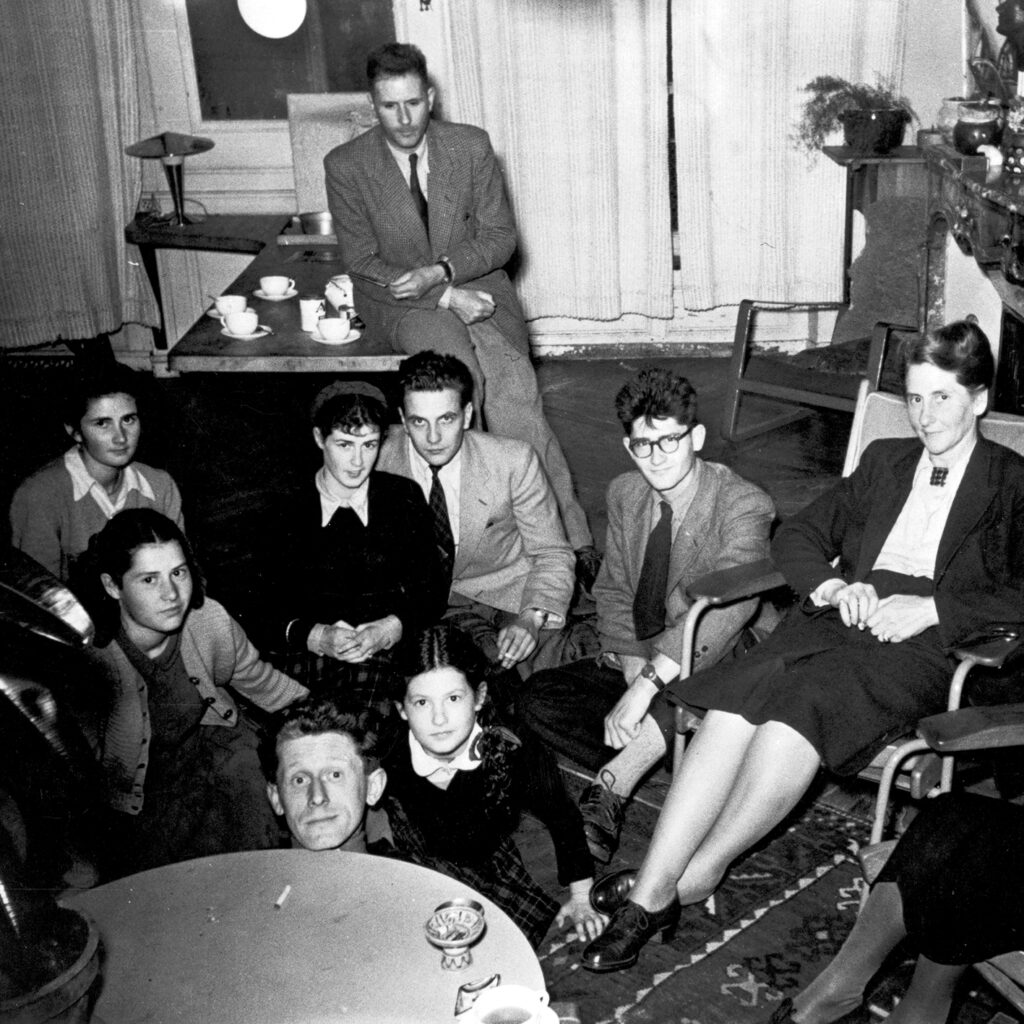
(347, 387)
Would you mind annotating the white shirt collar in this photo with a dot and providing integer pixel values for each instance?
(84, 483)
(426, 765)
(331, 501)
(402, 159)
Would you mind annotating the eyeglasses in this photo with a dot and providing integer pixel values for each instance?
(642, 447)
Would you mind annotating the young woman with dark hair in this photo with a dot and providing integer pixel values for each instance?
(180, 756)
(459, 779)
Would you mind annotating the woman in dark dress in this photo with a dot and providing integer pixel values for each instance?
(361, 569)
(929, 537)
(954, 886)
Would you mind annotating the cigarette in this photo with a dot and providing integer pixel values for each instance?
(279, 902)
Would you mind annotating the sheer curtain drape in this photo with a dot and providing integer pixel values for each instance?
(574, 96)
(69, 105)
(756, 218)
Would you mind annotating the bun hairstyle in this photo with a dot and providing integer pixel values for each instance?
(961, 348)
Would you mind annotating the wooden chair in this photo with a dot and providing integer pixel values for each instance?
(779, 379)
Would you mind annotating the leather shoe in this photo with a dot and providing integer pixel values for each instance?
(629, 930)
(609, 893)
(603, 815)
(588, 564)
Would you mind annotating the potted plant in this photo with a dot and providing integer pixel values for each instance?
(873, 117)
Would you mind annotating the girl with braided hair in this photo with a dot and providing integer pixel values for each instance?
(459, 780)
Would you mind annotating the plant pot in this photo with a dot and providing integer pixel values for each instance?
(874, 131)
(66, 998)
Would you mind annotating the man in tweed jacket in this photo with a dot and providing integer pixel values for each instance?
(608, 713)
(425, 229)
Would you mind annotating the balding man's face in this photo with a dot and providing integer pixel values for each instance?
(403, 107)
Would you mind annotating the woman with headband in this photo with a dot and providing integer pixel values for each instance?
(362, 568)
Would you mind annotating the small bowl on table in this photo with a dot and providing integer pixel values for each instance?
(453, 928)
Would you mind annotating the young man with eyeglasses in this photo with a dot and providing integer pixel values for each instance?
(670, 521)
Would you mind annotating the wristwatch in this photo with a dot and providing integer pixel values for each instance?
(649, 673)
(449, 270)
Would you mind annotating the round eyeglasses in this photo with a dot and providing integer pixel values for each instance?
(642, 447)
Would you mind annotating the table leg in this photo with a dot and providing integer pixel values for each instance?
(149, 264)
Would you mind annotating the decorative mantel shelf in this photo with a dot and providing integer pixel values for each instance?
(983, 210)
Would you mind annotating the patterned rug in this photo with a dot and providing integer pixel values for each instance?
(779, 917)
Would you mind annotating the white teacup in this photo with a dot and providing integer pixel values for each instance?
(245, 321)
(333, 328)
(230, 304)
(276, 285)
(510, 1004)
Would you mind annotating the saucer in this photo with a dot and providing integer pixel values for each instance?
(261, 294)
(352, 335)
(212, 311)
(261, 333)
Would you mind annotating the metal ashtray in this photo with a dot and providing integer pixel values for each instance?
(453, 927)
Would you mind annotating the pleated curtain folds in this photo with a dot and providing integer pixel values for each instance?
(69, 103)
(574, 95)
(757, 217)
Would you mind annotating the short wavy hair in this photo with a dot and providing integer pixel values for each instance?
(108, 379)
(434, 371)
(393, 60)
(655, 393)
(317, 715)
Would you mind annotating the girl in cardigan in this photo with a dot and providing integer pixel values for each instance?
(458, 781)
(180, 757)
(59, 507)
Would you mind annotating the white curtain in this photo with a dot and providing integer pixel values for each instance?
(757, 218)
(574, 96)
(69, 105)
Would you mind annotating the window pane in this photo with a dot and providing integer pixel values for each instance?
(243, 76)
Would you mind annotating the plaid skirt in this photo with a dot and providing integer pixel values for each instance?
(374, 683)
(503, 878)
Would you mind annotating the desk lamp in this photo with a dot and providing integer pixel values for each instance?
(170, 149)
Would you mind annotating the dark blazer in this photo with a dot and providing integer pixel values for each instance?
(381, 235)
(727, 524)
(979, 571)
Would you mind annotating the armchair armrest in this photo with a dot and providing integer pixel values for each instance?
(999, 649)
(736, 583)
(881, 335)
(976, 728)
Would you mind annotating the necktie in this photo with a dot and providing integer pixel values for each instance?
(938, 477)
(414, 187)
(442, 524)
(649, 603)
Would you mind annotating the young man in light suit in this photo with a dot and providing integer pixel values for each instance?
(425, 229)
(496, 520)
(607, 713)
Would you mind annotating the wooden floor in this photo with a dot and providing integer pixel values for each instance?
(234, 442)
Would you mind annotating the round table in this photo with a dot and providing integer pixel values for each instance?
(203, 941)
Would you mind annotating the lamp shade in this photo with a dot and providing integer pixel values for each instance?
(274, 19)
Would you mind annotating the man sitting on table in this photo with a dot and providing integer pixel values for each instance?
(495, 518)
(323, 773)
(425, 230)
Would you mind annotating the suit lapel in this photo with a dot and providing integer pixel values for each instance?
(439, 201)
(635, 528)
(894, 491)
(396, 198)
(474, 502)
(972, 498)
(691, 535)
